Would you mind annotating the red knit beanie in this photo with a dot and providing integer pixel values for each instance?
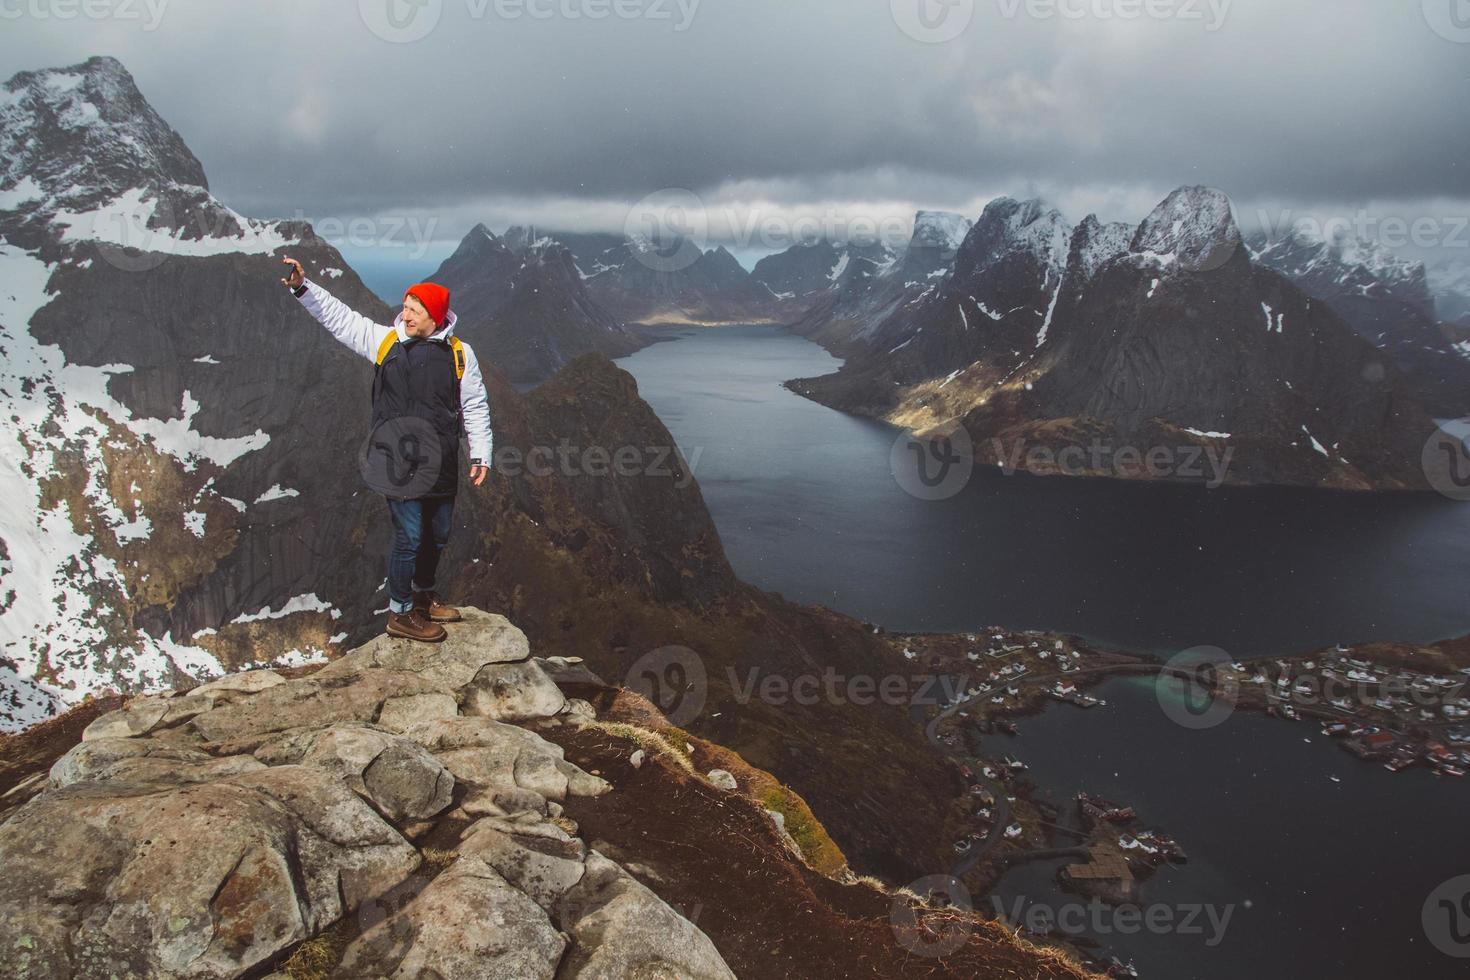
(434, 297)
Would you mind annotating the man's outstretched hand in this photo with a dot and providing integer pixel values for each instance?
(478, 472)
(296, 276)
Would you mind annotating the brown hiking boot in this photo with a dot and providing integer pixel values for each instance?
(414, 625)
(434, 608)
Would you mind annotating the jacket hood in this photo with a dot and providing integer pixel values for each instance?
(442, 334)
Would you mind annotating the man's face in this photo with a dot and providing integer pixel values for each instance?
(416, 319)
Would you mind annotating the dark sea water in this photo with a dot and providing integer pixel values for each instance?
(1319, 878)
(808, 505)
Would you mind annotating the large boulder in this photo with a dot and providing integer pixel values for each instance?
(505, 768)
(398, 776)
(478, 639)
(513, 692)
(620, 928)
(113, 879)
(205, 834)
(139, 760)
(469, 923)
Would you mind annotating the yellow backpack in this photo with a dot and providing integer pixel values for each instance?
(454, 345)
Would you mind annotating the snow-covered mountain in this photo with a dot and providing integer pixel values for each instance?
(994, 294)
(1388, 300)
(843, 315)
(640, 281)
(803, 271)
(1344, 265)
(1045, 335)
(168, 411)
(523, 303)
(1449, 283)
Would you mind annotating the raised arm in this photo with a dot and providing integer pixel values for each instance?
(474, 405)
(352, 328)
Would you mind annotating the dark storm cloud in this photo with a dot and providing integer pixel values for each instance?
(544, 105)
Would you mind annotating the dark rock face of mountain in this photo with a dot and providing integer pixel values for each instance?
(1386, 300)
(803, 272)
(651, 282)
(644, 281)
(1176, 338)
(479, 274)
(800, 270)
(523, 304)
(611, 565)
(190, 435)
(994, 303)
(874, 286)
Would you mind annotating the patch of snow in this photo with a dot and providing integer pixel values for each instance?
(1317, 445)
(1279, 321)
(26, 189)
(1207, 435)
(986, 310)
(301, 603)
(277, 492)
(124, 222)
(1052, 308)
(68, 621)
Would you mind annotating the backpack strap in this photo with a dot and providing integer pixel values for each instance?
(386, 346)
(456, 345)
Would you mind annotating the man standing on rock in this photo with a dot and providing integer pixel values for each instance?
(427, 391)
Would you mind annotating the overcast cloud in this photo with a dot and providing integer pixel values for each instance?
(515, 110)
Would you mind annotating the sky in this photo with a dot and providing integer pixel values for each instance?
(397, 125)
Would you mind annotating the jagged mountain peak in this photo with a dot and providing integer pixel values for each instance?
(939, 229)
(521, 238)
(1094, 243)
(1007, 225)
(1194, 226)
(1346, 260)
(480, 240)
(75, 136)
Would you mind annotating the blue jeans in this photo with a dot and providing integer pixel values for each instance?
(414, 558)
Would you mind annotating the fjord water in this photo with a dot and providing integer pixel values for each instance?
(807, 505)
(1310, 877)
(1321, 878)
